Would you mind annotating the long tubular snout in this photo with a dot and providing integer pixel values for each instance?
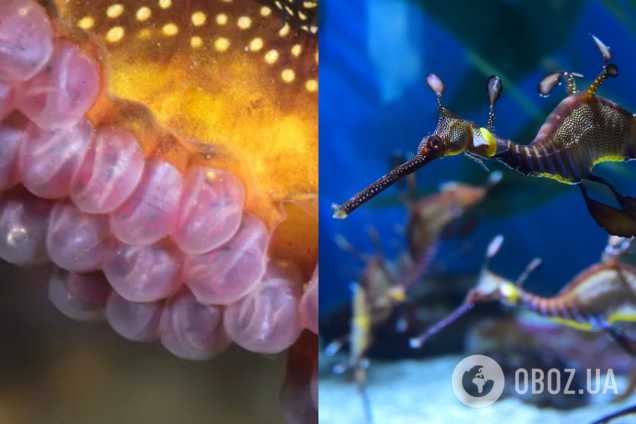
(378, 187)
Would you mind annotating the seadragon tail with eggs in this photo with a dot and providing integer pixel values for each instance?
(163, 155)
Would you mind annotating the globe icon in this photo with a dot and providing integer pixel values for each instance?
(475, 383)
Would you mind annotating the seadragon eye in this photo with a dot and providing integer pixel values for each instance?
(435, 144)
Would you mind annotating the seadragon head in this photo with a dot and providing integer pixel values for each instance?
(490, 287)
(452, 136)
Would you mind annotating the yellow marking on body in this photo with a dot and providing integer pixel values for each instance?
(115, 11)
(165, 4)
(256, 44)
(265, 11)
(296, 50)
(492, 144)
(221, 44)
(199, 18)
(573, 323)
(610, 158)
(144, 34)
(509, 293)
(271, 56)
(398, 296)
(284, 30)
(555, 177)
(170, 29)
(244, 22)
(449, 153)
(221, 19)
(588, 327)
(196, 42)
(143, 14)
(288, 75)
(621, 317)
(311, 85)
(86, 22)
(115, 34)
(361, 321)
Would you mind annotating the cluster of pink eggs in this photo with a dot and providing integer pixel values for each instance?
(163, 254)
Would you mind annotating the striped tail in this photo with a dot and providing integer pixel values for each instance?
(544, 159)
(558, 310)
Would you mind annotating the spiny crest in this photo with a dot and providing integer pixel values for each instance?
(436, 85)
(551, 81)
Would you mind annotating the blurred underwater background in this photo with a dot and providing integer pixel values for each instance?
(55, 370)
(374, 101)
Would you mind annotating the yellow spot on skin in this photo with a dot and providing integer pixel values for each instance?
(244, 22)
(265, 11)
(284, 31)
(196, 42)
(115, 34)
(211, 175)
(115, 11)
(311, 86)
(221, 44)
(296, 50)
(227, 1)
(256, 44)
(144, 34)
(316, 58)
(199, 18)
(165, 4)
(170, 29)
(271, 56)
(309, 5)
(86, 22)
(143, 14)
(288, 75)
(302, 16)
(221, 19)
(278, 5)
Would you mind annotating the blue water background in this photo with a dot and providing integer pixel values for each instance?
(374, 57)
